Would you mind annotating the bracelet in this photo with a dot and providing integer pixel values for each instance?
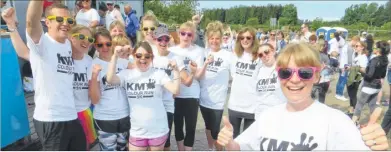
(12, 29)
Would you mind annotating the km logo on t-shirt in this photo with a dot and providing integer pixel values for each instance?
(80, 81)
(246, 69)
(64, 64)
(141, 90)
(269, 144)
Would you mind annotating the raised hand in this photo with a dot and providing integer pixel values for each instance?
(210, 59)
(193, 66)
(96, 68)
(173, 65)
(118, 51)
(226, 133)
(9, 16)
(128, 48)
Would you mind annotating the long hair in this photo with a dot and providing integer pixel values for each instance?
(254, 47)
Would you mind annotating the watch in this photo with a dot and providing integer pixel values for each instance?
(12, 30)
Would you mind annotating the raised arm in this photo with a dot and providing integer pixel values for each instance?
(173, 86)
(94, 86)
(33, 20)
(112, 78)
(21, 49)
(201, 72)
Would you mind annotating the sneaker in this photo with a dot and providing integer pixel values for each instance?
(343, 98)
(337, 96)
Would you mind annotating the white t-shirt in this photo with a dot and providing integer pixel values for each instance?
(85, 18)
(229, 46)
(52, 66)
(160, 63)
(361, 61)
(145, 95)
(214, 85)
(80, 83)
(244, 72)
(111, 16)
(317, 127)
(268, 89)
(306, 37)
(113, 104)
(343, 56)
(192, 53)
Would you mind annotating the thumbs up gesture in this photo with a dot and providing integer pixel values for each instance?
(226, 133)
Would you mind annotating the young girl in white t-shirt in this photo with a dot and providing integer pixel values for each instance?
(302, 124)
(144, 87)
(111, 109)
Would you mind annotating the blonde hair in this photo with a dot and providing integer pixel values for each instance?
(254, 47)
(149, 16)
(356, 38)
(118, 24)
(78, 28)
(189, 25)
(213, 28)
(119, 40)
(303, 56)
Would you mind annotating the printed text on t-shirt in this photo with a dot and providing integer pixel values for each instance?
(246, 69)
(64, 64)
(141, 90)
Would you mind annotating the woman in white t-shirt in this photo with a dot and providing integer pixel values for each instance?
(302, 124)
(144, 87)
(186, 102)
(244, 70)
(214, 83)
(117, 28)
(111, 111)
(149, 24)
(360, 62)
(87, 16)
(161, 61)
(269, 93)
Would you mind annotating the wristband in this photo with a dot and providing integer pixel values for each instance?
(12, 30)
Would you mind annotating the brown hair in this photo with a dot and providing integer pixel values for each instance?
(48, 10)
(356, 38)
(145, 45)
(312, 38)
(268, 45)
(254, 47)
(101, 31)
(213, 28)
(364, 45)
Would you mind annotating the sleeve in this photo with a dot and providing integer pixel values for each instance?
(371, 69)
(200, 59)
(179, 62)
(36, 47)
(89, 73)
(249, 140)
(164, 78)
(135, 21)
(119, 17)
(343, 134)
(95, 16)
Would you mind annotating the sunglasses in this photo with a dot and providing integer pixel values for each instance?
(163, 38)
(264, 53)
(226, 34)
(149, 28)
(186, 33)
(140, 55)
(245, 37)
(273, 34)
(83, 37)
(60, 19)
(99, 45)
(306, 73)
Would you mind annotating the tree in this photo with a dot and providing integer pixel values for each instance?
(290, 13)
(386, 26)
(317, 23)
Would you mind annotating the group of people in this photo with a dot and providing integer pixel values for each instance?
(139, 92)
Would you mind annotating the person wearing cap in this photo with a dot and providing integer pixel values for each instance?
(363, 36)
(112, 14)
(160, 62)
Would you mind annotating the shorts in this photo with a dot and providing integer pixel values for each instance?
(113, 134)
(61, 135)
(145, 142)
(170, 118)
(86, 121)
(212, 118)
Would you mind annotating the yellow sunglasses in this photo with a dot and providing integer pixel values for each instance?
(83, 37)
(61, 19)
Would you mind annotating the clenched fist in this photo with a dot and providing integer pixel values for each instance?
(226, 133)
(96, 68)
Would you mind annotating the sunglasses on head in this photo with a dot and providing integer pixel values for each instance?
(61, 19)
(227, 34)
(99, 45)
(140, 55)
(149, 28)
(163, 38)
(305, 73)
(245, 37)
(189, 34)
(83, 37)
(264, 53)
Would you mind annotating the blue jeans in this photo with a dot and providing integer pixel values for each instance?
(343, 78)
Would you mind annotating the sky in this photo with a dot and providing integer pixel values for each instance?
(327, 10)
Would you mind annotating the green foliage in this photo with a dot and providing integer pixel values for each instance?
(289, 12)
(386, 26)
(371, 14)
(172, 12)
(252, 21)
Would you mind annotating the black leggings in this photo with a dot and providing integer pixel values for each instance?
(352, 92)
(212, 118)
(186, 111)
(236, 117)
(170, 118)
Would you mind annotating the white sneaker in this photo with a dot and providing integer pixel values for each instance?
(343, 98)
(338, 97)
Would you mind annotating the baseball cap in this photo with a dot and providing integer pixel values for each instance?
(161, 31)
(364, 33)
(109, 2)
